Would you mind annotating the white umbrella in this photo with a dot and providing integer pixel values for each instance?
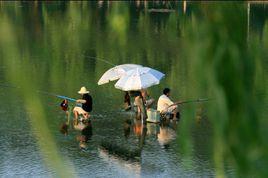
(116, 72)
(139, 78)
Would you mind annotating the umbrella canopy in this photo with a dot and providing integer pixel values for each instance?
(139, 78)
(116, 72)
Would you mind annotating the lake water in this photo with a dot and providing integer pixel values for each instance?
(57, 47)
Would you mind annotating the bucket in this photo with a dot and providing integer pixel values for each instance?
(153, 116)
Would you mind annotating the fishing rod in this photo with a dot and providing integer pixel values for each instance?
(191, 101)
(43, 92)
(99, 59)
(196, 100)
(59, 96)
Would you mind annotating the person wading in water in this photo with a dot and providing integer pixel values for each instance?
(85, 106)
(140, 107)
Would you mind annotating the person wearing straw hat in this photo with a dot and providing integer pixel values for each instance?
(85, 105)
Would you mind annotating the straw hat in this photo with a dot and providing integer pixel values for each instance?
(83, 90)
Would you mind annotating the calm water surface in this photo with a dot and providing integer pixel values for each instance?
(58, 47)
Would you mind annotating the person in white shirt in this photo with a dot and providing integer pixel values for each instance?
(165, 105)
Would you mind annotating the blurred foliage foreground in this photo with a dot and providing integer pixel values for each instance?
(229, 68)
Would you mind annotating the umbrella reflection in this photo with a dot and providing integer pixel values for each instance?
(130, 168)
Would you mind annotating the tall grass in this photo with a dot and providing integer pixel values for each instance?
(20, 72)
(227, 67)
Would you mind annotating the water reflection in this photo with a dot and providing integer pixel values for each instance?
(166, 135)
(122, 167)
(257, 18)
(127, 127)
(86, 134)
(153, 129)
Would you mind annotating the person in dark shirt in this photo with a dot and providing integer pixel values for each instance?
(85, 105)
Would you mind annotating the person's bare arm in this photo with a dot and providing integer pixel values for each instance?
(81, 101)
(176, 103)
